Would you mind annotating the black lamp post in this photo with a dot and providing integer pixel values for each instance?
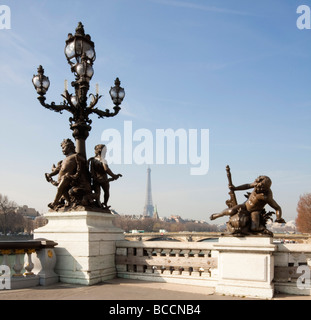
(80, 54)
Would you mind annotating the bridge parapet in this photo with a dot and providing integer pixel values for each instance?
(27, 263)
(286, 268)
(182, 262)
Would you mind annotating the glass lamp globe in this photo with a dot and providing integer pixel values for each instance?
(78, 45)
(41, 82)
(84, 69)
(117, 93)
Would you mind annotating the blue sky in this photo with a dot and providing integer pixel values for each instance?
(238, 68)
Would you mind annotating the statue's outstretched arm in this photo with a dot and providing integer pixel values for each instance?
(108, 170)
(278, 210)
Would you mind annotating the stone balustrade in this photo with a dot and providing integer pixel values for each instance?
(200, 264)
(292, 273)
(27, 263)
(164, 261)
(250, 266)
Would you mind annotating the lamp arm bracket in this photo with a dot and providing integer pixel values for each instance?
(54, 107)
(106, 113)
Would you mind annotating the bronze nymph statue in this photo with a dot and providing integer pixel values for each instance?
(100, 170)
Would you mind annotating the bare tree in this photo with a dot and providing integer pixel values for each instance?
(7, 208)
(303, 220)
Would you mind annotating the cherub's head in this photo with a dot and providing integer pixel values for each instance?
(263, 184)
(68, 146)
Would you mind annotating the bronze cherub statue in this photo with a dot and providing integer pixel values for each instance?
(250, 217)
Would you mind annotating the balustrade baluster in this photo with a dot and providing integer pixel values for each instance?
(186, 271)
(165, 252)
(29, 264)
(195, 272)
(18, 266)
(171, 269)
(130, 253)
(186, 253)
(140, 253)
(201, 270)
(156, 270)
(5, 260)
(196, 253)
(149, 252)
(149, 269)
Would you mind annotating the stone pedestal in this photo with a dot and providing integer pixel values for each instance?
(86, 245)
(246, 266)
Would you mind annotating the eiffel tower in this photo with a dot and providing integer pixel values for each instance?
(148, 209)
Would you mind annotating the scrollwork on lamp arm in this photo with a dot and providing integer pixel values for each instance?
(106, 113)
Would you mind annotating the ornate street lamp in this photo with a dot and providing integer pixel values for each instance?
(41, 82)
(75, 184)
(80, 54)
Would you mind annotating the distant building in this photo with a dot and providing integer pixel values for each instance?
(176, 218)
(29, 213)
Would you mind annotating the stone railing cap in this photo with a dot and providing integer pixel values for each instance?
(28, 244)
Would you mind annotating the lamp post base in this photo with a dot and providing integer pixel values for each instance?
(86, 245)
